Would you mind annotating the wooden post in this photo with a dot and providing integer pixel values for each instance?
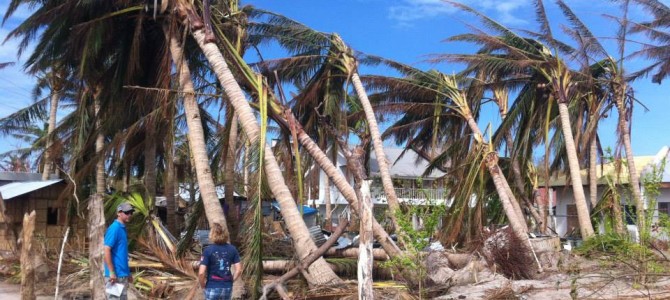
(27, 268)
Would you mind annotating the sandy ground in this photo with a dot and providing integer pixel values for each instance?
(560, 286)
(10, 291)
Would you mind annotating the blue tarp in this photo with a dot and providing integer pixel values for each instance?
(306, 210)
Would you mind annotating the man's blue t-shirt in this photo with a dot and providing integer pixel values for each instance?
(218, 259)
(116, 238)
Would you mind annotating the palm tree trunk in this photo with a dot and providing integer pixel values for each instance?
(126, 176)
(617, 215)
(542, 207)
(245, 171)
(96, 214)
(514, 202)
(593, 179)
(517, 223)
(633, 176)
(318, 273)
(585, 226)
(196, 139)
(150, 163)
(326, 187)
(53, 107)
(501, 96)
(347, 191)
(516, 219)
(326, 199)
(230, 179)
(170, 199)
(384, 171)
(518, 181)
(593, 176)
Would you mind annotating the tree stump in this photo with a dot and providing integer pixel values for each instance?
(27, 268)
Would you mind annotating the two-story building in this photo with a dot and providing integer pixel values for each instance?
(563, 214)
(407, 171)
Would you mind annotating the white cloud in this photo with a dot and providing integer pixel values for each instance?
(412, 10)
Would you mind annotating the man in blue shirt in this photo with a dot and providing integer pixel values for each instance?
(116, 251)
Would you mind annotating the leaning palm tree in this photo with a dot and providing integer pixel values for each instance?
(657, 31)
(327, 81)
(606, 79)
(421, 89)
(319, 272)
(521, 53)
(322, 89)
(333, 65)
(81, 37)
(56, 82)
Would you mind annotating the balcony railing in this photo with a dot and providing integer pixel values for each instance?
(411, 195)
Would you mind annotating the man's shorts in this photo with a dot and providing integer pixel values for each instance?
(218, 293)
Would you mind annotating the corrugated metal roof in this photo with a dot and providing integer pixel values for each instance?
(15, 189)
(23, 176)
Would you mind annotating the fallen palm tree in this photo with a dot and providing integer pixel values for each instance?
(378, 253)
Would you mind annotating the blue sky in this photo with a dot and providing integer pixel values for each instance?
(408, 31)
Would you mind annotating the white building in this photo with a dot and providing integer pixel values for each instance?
(407, 171)
(563, 214)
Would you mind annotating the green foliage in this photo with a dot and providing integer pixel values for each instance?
(140, 218)
(618, 249)
(663, 225)
(610, 244)
(416, 239)
(611, 197)
(651, 183)
(419, 238)
(620, 252)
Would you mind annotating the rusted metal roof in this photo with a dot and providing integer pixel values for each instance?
(14, 189)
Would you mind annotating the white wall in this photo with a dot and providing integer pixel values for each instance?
(564, 197)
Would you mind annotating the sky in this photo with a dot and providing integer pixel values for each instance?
(409, 31)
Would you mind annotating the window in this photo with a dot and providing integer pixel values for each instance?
(573, 220)
(631, 214)
(664, 208)
(52, 216)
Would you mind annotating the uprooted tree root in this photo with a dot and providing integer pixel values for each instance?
(506, 253)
